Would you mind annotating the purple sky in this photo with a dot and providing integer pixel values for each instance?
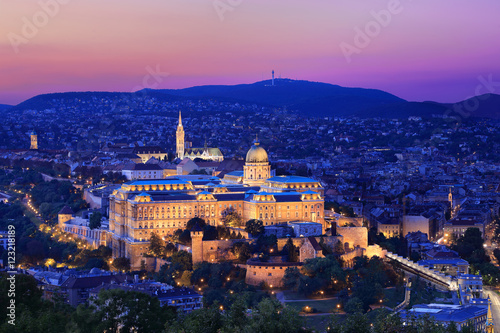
(428, 50)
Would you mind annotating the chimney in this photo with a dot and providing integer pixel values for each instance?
(333, 228)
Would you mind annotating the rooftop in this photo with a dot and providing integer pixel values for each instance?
(66, 211)
(157, 182)
(291, 179)
(446, 312)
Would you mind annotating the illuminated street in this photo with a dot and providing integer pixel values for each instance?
(495, 305)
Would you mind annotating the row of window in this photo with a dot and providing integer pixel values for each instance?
(151, 226)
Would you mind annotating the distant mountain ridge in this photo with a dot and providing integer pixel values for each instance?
(313, 99)
(319, 99)
(5, 106)
(284, 92)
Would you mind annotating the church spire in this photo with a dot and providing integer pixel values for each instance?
(179, 139)
(180, 119)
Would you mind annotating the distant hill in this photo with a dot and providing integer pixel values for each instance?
(284, 92)
(483, 106)
(5, 107)
(318, 99)
(313, 99)
(45, 101)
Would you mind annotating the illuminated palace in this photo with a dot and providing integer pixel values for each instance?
(142, 207)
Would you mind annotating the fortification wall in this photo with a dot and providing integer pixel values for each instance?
(375, 250)
(94, 201)
(270, 273)
(216, 250)
(357, 221)
(241, 231)
(154, 264)
(348, 257)
(329, 240)
(296, 242)
(355, 236)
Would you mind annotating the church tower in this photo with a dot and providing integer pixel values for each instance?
(257, 168)
(179, 139)
(490, 325)
(34, 140)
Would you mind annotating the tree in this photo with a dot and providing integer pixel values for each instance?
(266, 243)
(156, 245)
(170, 248)
(122, 264)
(291, 278)
(236, 317)
(309, 285)
(387, 322)
(242, 251)
(327, 270)
(210, 232)
(231, 218)
(128, 311)
(291, 251)
(95, 220)
(270, 316)
(354, 305)
(254, 227)
(334, 326)
(471, 241)
(192, 222)
(185, 237)
(182, 260)
(27, 293)
(356, 323)
(205, 320)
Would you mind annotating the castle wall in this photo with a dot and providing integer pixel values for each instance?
(375, 250)
(348, 257)
(357, 221)
(214, 250)
(298, 241)
(95, 202)
(270, 273)
(63, 218)
(154, 264)
(355, 236)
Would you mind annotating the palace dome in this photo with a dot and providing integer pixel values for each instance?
(257, 154)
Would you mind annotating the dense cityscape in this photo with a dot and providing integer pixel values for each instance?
(222, 194)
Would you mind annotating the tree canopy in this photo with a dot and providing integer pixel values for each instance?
(95, 220)
(254, 227)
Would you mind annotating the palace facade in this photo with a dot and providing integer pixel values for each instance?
(142, 207)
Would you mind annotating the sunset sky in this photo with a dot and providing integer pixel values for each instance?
(430, 49)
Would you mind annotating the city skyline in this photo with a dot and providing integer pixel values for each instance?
(406, 48)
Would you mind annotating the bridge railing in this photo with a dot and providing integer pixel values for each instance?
(446, 280)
